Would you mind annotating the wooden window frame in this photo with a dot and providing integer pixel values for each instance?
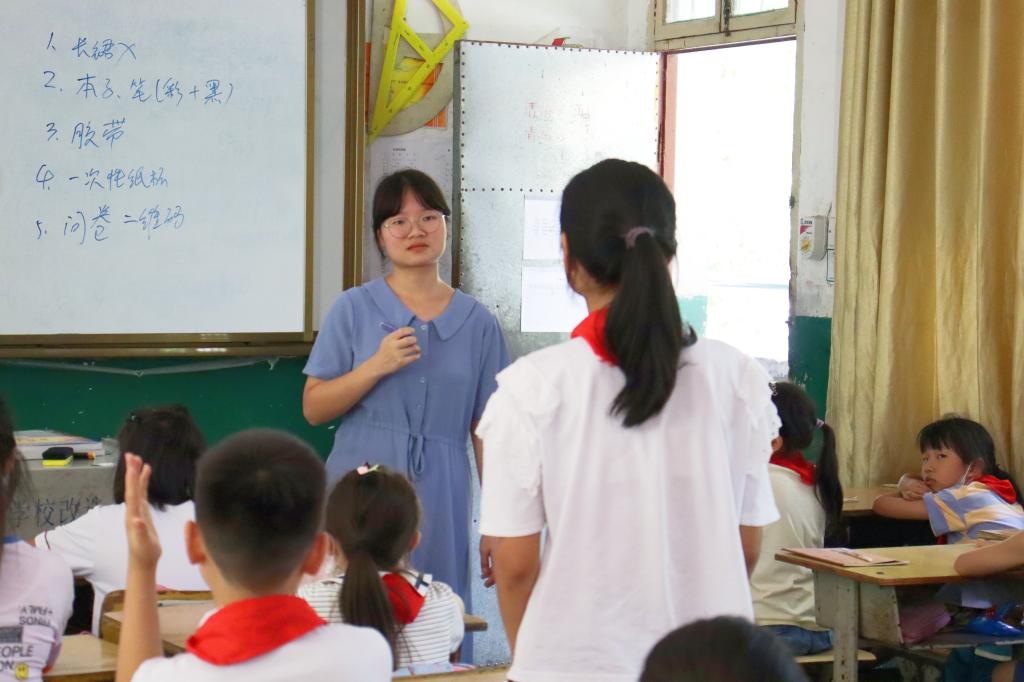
(720, 29)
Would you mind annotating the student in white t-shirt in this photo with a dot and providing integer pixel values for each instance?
(373, 515)
(36, 588)
(641, 450)
(169, 441)
(259, 511)
(810, 502)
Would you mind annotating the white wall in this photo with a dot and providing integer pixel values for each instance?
(822, 63)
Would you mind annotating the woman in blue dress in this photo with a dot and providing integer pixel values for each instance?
(409, 362)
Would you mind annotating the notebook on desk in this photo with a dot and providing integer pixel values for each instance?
(848, 558)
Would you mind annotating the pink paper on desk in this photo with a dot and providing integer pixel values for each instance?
(848, 558)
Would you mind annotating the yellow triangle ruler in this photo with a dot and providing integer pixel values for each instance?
(385, 106)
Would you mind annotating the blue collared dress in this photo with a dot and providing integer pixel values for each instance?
(416, 420)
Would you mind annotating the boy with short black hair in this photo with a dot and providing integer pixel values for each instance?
(259, 506)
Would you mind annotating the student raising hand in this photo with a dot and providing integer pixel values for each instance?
(143, 541)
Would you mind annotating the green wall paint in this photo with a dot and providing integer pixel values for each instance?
(221, 401)
(810, 347)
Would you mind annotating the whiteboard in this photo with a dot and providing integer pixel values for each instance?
(153, 167)
(528, 118)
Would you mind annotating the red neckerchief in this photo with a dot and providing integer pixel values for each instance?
(252, 627)
(591, 329)
(406, 601)
(794, 461)
(999, 486)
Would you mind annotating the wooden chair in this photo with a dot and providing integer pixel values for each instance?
(114, 601)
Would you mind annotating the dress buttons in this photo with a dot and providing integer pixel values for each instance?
(423, 327)
(423, 380)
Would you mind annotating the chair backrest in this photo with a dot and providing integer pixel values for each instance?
(114, 601)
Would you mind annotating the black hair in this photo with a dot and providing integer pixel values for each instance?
(259, 505)
(644, 330)
(374, 517)
(969, 440)
(10, 472)
(387, 198)
(799, 420)
(168, 441)
(723, 649)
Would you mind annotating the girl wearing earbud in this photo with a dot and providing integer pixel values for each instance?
(962, 491)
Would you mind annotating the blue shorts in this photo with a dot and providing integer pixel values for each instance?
(802, 642)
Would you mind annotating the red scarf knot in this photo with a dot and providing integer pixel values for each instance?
(406, 592)
(591, 329)
(1000, 486)
(249, 628)
(794, 461)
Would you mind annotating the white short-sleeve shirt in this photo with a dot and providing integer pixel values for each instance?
(95, 547)
(642, 523)
(36, 591)
(342, 653)
(784, 593)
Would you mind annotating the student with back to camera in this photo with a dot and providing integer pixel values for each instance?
(373, 516)
(259, 512)
(810, 501)
(642, 451)
(169, 441)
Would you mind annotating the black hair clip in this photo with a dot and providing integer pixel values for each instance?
(775, 390)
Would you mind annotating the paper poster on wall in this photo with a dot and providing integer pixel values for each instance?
(541, 232)
(548, 304)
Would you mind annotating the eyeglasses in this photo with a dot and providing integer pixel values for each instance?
(400, 227)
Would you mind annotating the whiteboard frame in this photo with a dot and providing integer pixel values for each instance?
(204, 344)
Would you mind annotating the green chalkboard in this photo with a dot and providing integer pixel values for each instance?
(222, 401)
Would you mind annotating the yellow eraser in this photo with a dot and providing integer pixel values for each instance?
(57, 462)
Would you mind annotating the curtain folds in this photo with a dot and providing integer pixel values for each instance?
(929, 306)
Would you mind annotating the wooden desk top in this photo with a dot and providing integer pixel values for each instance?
(478, 675)
(179, 621)
(858, 501)
(84, 658)
(929, 565)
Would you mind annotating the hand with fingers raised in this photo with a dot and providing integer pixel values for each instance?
(143, 542)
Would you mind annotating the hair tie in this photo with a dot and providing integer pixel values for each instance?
(818, 424)
(775, 391)
(367, 468)
(133, 418)
(631, 236)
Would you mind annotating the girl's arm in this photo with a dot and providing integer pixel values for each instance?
(327, 399)
(995, 558)
(516, 566)
(895, 507)
(750, 537)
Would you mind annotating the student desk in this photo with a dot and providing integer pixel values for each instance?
(477, 675)
(179, 621)
(864, 603)
(868, 530)
(84, 658)
(858, 501)
(53, 496)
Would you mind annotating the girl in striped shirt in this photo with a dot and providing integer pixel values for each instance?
(373, 515)
(962, 490)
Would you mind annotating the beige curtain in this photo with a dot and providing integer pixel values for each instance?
(929, 309)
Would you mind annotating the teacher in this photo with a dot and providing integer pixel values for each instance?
(410, 362)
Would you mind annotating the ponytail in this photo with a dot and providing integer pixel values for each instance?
(644, 332)
(828, 488)
(373, 514)
(363, 600)
(619, 221)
